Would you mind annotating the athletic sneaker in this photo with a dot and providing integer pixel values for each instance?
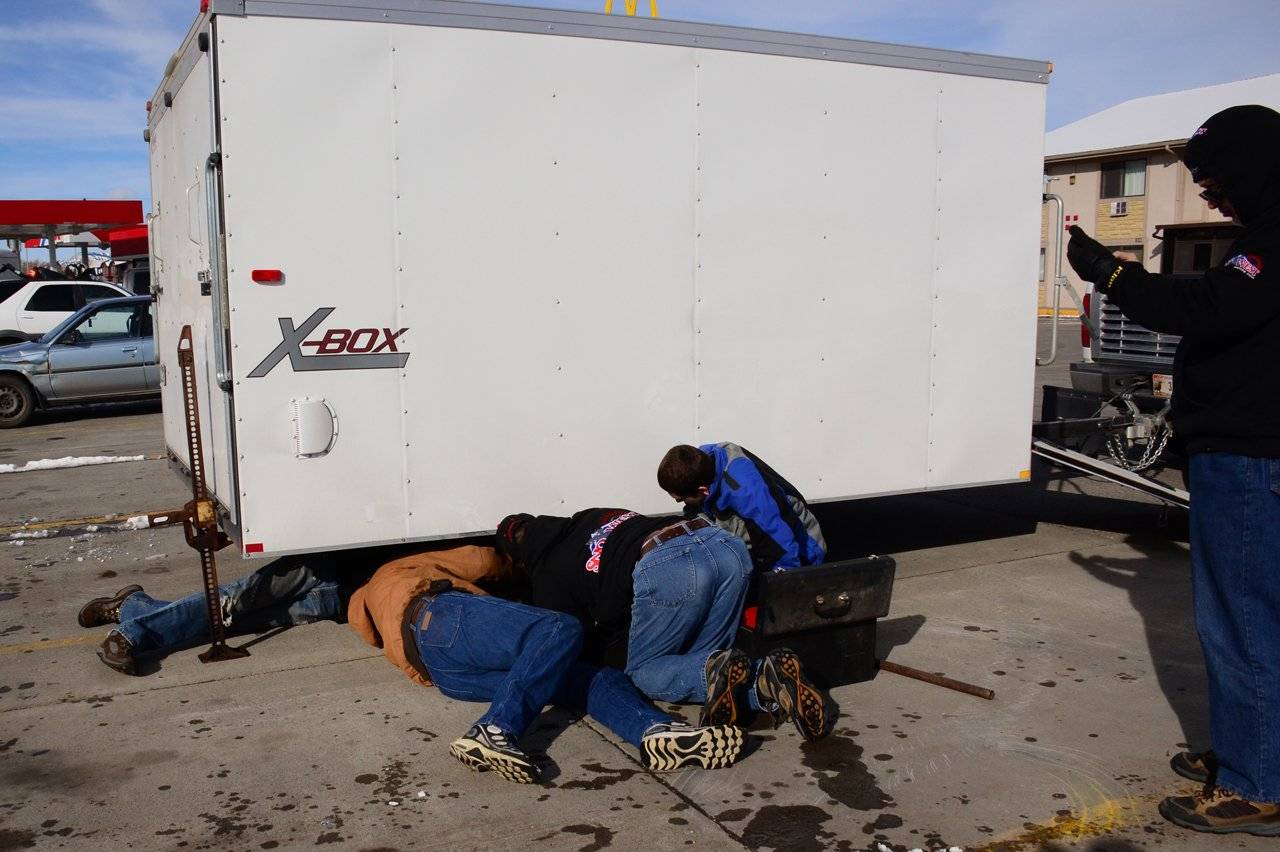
(674, 745)
(726, 672)
(486, 747)
(1198, 766)
(1217, 811)
(785, 692)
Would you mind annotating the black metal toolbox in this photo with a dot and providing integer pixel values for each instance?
(825, 613)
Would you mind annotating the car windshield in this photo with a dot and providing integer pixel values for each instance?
(75, 319)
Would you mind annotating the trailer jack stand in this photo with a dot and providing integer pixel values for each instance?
(199, 516)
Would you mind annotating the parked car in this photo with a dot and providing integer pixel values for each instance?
(104, 351)
(29, 309)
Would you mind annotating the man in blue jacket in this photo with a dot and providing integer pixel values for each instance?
(747, 498)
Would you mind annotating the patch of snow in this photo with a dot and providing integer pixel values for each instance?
(137, 522)
(393, 803)
(67, 461)
(91, 528)
(31, 534)
(17, 543)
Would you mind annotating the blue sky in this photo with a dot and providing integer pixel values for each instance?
(74, 74)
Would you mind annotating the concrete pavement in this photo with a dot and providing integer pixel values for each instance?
(1068, 598)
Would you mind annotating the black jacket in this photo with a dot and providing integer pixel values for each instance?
(1226, 386)
(582, 566)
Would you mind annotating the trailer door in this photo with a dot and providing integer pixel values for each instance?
(182, 139)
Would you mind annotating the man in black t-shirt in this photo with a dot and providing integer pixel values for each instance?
(661, 598)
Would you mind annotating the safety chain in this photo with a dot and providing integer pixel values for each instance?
(1149, 456)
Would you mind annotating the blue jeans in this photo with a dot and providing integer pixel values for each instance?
(689, 593)
(520, 659)
(285, 592)
(1235, 564)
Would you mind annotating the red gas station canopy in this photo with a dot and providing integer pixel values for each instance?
(127, 242)
(25, 219)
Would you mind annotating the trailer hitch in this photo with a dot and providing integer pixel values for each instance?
(199, 516)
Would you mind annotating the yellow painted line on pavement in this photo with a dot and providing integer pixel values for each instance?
(65, 642)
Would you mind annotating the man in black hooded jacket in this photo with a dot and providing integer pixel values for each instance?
(1226, 414)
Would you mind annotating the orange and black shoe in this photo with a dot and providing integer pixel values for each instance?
(727, 671)
(786, 693)
(1198, 766)
(1216, 811)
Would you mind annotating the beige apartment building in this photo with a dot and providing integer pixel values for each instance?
(1120, 175)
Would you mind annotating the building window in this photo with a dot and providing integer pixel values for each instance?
(1124, 179)
(1041, 264)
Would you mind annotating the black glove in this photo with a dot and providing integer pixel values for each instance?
(1091, 260)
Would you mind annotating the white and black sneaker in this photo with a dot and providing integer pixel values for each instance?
(486, 747)
(674, 745)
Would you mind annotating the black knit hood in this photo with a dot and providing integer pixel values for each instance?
(1240, 149)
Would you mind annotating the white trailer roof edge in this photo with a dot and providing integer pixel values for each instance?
(526, 19)
(179, 68)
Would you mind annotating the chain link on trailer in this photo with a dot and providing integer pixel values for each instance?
(1150, 455)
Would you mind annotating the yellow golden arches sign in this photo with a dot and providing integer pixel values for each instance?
(631, 7)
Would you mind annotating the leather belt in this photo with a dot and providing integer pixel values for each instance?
(674, 531)
(409, 636)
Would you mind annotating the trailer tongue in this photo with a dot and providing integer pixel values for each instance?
(1063, 457)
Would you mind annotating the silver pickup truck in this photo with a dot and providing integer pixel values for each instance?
(104, 351)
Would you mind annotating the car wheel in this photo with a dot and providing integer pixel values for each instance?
(17, 402)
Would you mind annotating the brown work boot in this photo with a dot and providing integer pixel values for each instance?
(1217, 811)
(101, 611)
(1198, 766)
(118, 653)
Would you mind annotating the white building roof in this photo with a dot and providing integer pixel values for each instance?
(1158, 118)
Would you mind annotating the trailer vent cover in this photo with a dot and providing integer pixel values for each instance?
(315, 428)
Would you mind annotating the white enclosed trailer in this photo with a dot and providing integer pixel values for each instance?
(452, 260)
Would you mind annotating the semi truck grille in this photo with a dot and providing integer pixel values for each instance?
(1122, 339)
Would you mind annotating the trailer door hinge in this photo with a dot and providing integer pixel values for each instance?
(206, 282)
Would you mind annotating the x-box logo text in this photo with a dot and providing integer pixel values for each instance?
(336, 349)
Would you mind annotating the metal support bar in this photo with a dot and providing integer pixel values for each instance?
(217, 291)
(1104, 470)
(937, 680)
(1059, 281)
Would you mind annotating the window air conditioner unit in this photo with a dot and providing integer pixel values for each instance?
(1119, 208)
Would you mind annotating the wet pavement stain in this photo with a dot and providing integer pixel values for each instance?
(16, 839)
(882, 822)
(837, 765)
(601, 837)
(795, 828)
(605, 777)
